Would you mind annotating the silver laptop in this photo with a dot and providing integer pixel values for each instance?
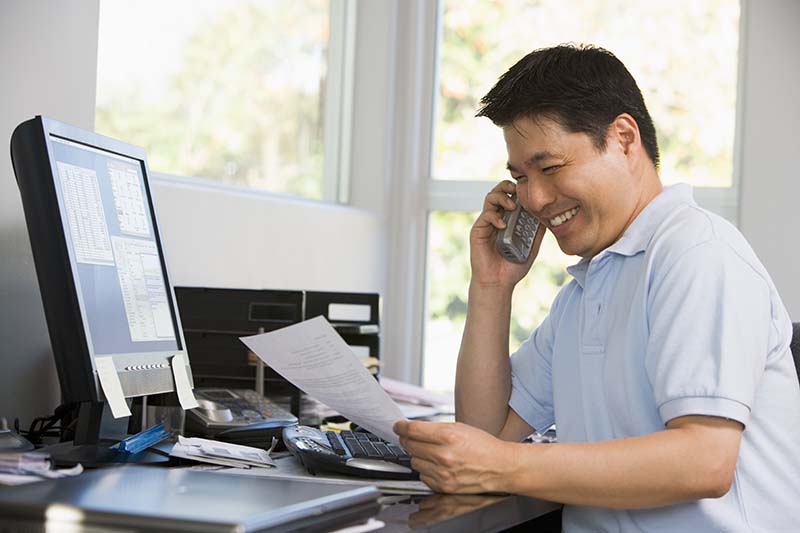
(141, 498)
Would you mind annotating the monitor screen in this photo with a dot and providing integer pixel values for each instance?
(110, 236)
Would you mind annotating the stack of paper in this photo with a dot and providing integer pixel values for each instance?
(24, 467)
(406, 392)
(223, 453)
(24, 462)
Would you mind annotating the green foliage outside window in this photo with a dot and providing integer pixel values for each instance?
(244, 106)
(683, 54)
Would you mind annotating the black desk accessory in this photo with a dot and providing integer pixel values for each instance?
(238, 416)
(214, 318)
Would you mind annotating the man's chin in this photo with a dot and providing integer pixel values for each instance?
(575, 248)
(569, 248)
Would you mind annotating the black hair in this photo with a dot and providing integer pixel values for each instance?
(583, 88)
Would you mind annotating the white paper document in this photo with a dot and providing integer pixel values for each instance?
(112, 388)
(222, 453)
(406, 392)
(314, 358)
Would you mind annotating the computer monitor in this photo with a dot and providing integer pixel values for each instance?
(100, 263)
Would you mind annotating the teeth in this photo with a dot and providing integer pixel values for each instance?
(563, 217)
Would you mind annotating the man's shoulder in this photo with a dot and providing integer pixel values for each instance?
(690, 227)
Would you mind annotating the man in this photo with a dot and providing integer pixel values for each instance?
(664, 363)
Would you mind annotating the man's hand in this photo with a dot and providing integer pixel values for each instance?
(457, 458)
(488, 266)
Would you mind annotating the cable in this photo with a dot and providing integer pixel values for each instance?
(45, 426)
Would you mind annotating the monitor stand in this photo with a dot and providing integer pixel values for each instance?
(96, 431)
(68, 454)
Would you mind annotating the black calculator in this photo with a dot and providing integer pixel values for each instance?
(355, 453)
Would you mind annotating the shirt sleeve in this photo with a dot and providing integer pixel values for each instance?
(710, 320)
(531, 375)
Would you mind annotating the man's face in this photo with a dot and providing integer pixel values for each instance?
(586, 198)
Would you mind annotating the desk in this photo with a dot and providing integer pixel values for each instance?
(135, 498)
(456, 513)
(422, 512)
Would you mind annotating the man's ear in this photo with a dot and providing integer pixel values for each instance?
(625, 131)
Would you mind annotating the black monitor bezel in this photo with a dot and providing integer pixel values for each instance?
(31, 146)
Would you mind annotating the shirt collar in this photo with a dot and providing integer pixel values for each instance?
(638, 234)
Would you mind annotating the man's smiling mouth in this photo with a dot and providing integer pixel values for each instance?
(563, 217)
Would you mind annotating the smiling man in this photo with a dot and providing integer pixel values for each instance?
(664, 362)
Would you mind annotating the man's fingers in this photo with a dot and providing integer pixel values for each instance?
(498, 200)
(499, 196)
(431, 482)
(506, 186)
(491, 218)
(401, 427)
(418, 430)
(416, 448)
(422, 465)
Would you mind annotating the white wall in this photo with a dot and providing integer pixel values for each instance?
(223, 238)
(48, 57)
(769, 215)
(212, 237)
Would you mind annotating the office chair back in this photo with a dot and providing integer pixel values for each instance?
(795, 346)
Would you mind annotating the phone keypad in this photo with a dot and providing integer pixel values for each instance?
(516, 240)
(248, 406)
(526, 229)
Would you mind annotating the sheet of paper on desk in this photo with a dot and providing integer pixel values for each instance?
(222, 453)
(315, 359)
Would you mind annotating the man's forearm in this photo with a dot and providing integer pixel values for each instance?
(662, 468)
(483, 373)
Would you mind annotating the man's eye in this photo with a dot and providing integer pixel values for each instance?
(551, 169)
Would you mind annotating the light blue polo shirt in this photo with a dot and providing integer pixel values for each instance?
(678, 317)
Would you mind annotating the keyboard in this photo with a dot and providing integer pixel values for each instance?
(355, 453)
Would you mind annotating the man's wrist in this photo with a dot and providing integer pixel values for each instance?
(514, 459)
(490, 289)
(491, 298)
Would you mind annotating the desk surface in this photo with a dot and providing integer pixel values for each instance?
(184, 496)
(416, 512)
(422, 512)
(446, 513)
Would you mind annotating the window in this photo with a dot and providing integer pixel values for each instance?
(236, 91)
(684, 56)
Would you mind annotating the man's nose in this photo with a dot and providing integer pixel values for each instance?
(535, 195)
